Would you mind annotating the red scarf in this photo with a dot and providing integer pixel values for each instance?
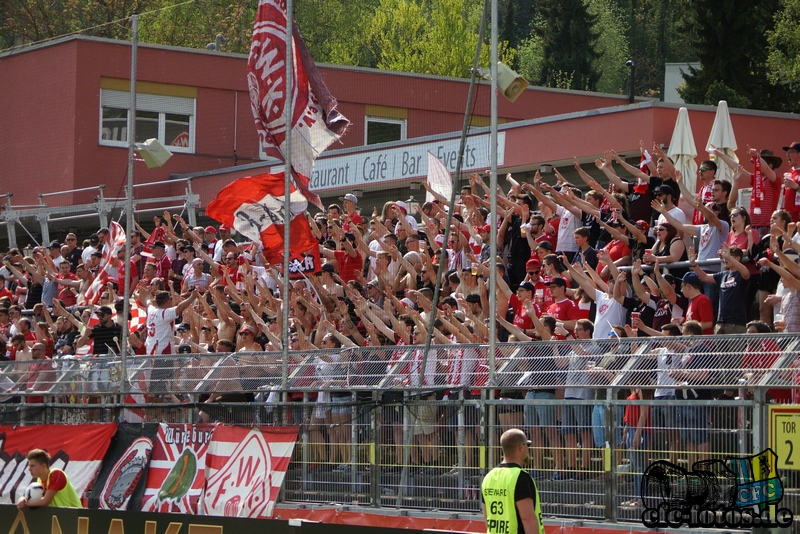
(706, 195)
(758, 187)
(640, 186)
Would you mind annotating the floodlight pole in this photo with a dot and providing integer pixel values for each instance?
(287, 191)
(126, 310)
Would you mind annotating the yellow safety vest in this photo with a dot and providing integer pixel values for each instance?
(66, 497)
(497, 490)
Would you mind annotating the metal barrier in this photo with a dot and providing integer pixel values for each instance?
(370, 435)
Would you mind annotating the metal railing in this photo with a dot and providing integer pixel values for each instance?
(371, 435)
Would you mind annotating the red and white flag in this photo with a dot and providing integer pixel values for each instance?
(245, 469)
(115, 240)
(315, 121)
(255, 206)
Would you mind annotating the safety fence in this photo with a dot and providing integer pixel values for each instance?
(373, 434)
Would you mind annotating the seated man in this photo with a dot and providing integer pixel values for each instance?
(58, 490)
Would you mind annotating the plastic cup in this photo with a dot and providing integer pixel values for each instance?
(779, 324)
(634, 316)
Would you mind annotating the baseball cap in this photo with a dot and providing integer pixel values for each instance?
(692, 279)
(667, 190)
(159, 244)
(105, 310)
(407, 301)
(402, 205)
(55, 244)
(328, 268)
(558, 281)
(643, 226)
(547, 245)
(351, 197)
(532, 263)
(183, 327)
(247, 328)
(527, 286)
(794, 146)
(484, 228)
(211, 230)
(223, 227)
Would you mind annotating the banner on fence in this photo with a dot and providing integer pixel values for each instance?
(77, 449)
(121, 482)
(245, 469)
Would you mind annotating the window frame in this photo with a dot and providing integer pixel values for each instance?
(162, 104)
(386, 120)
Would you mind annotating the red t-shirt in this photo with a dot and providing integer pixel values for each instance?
(162, 267)
(348, 266)
(791, 201)
(521, 318)
(769, 203)
(56, 481)
(65, 293)
(566, 310)
(701, 310)
(542, 295)
(617, 249)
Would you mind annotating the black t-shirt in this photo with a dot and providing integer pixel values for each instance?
(74, 258)
(525, 489)
(701, 358)
(732, 297)
(591, 257)
(645, 312)
(103, 337)
(519, 249)
(640, 202)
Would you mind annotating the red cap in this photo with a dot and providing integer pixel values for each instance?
(484, 228)
(211, 230)
(643, 226)
(533, 262)
(224, 227)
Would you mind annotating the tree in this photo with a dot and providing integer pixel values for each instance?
(197, 24)
(428, 37)
(569, 45)
(730, 41)
(612, 46)
(783, 60)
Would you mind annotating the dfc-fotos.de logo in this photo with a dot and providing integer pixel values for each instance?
(729, 493)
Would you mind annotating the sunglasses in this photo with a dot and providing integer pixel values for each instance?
(534, 272)
(704, 169)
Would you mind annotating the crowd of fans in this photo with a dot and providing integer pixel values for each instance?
(570, 265)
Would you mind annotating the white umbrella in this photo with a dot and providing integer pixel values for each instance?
(682, 149)
(722, 139)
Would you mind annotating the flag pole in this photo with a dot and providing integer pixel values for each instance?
(287, 110)
(126, 310)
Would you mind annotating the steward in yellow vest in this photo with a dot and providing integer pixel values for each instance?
(509, 498)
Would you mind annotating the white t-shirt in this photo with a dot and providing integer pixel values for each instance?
(86, 255)
(569, 223)
(676, 212)
(160, 328)
(609, 312)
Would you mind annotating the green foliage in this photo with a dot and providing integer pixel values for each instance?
(783, 60)
(196, 24)
(569, 45)
(612, 45)
(732, 48)
(530, 57)
(659, 32)
(335, 31)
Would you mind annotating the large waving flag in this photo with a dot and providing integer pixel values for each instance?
(439, 178)
(255, 205)
(114, 242)
(315, 121)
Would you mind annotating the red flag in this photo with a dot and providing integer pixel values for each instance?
(254, 206)
(640, 186)
(315, 121)
(158, 235)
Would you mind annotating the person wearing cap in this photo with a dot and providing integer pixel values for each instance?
(563, 308)
(791, 181)
(700, 308)
(54, 251)
(665, 196)
(769, 184)
(350, 203)
(521, 301)
(533, 274)
(347, 257)
(221, 245)
(161, 260)
(543, 249)
(400, 209)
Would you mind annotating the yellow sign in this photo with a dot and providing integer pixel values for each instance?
(784, 435)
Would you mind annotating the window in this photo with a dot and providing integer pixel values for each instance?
(384, 130)
(170, 119)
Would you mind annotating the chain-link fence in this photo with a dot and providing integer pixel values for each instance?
(375, 432)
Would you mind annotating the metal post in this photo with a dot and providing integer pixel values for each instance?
(43, 216)
(493, 205)
(288, 105)
(11, 221)
(126, 310)
(376, 423)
